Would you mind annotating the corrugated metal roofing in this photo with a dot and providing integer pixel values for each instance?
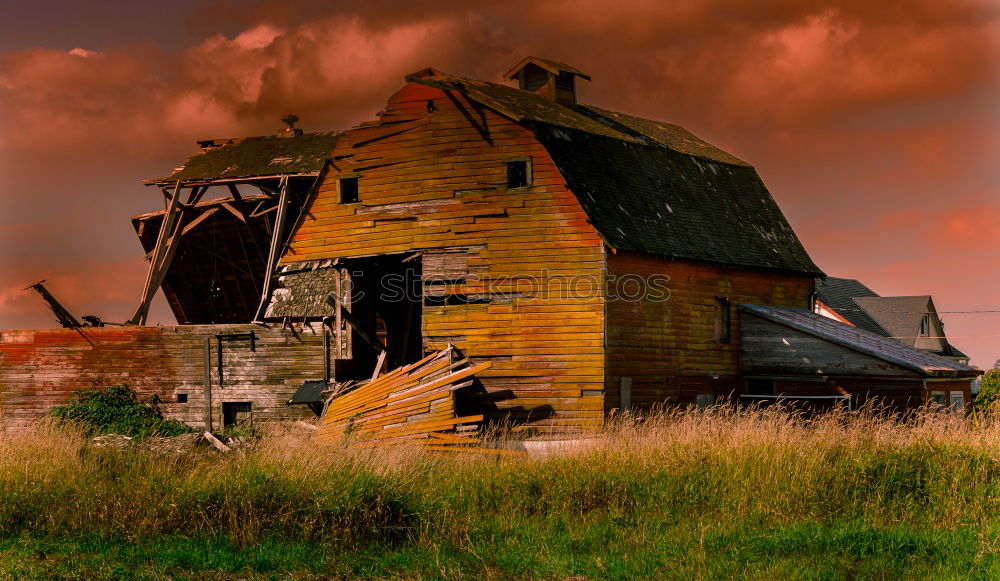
(862, 341)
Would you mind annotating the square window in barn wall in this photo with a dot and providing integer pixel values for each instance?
(937, 397)
(957, 400)
(348, 190)
(518, 174)
(721, 320)
(236, 413)
(182, 398)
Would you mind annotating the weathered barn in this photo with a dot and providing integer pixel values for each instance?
(595, 259)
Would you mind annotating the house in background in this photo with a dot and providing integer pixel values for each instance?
(596, 260)
(910, 320)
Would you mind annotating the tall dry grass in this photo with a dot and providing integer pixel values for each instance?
(713, 467)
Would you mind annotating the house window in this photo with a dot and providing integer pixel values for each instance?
(957, 400)
(937, 397)
(721, 320)
(182, 398)
(925, 326)
(517, 174)
(348, 190)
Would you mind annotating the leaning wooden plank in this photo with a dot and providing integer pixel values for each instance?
(429, 426)
(454, 439)
(216, 442)
(369, 397)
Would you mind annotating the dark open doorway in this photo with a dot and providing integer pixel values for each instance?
(386, 304)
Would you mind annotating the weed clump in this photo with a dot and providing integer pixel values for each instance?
(117, 409)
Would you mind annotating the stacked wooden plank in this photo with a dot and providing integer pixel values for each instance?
(412, 404)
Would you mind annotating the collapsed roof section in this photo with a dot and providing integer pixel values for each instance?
(254, 157)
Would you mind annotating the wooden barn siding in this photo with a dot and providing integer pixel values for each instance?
(436, 182)
(42, 368)
(667, 347)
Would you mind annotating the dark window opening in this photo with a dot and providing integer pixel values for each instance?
(760, 387)
(517, 174)
(722, 334)
(182, 398)
(348, 190)
(235, 413)
(925, 326)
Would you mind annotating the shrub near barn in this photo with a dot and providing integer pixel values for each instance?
(117, 409)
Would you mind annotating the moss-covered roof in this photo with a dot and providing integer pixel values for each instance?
(259, 156)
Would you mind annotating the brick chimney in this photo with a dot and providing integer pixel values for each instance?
(553, 80)
(291, 130)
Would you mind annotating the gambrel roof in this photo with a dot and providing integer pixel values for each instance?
(649, 186)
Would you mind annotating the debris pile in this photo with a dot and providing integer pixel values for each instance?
(413, 404)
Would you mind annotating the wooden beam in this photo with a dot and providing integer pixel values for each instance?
(239, 215)
(195, 195)
(201, 218)
(277, 243)
(254, 181)
(166, 259)
(339, 323)
(354, 322)
(235, 192)
(258, 213)
(208, 383)
(379, 365)
(149, 288)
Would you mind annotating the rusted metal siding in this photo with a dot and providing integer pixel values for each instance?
(42, 368)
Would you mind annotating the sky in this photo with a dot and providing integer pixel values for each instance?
(875, 125)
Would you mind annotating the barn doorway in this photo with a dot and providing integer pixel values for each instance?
(386, 305)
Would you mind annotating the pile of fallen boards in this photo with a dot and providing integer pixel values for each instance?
(413, 404)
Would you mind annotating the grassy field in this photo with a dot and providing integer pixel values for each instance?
(716, 494)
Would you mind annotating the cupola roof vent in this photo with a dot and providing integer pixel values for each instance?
(551, 79)
(291, 130)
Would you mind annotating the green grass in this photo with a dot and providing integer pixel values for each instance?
(683, 495)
